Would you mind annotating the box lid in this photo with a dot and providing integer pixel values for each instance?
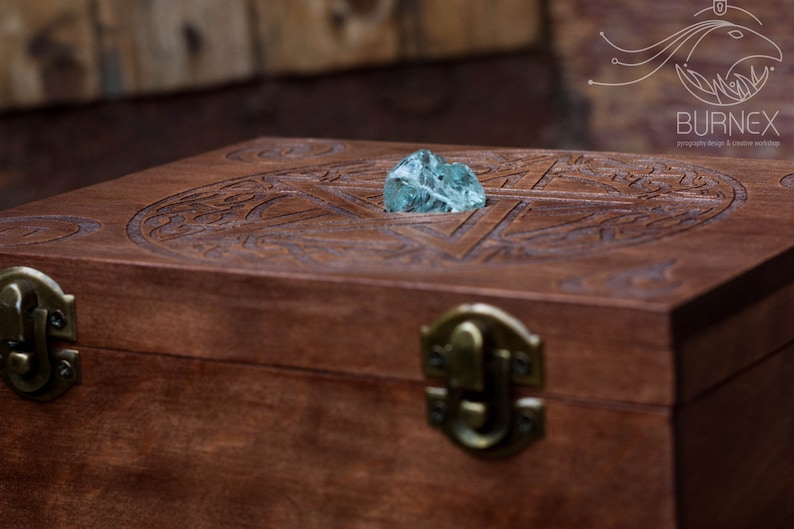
(650, 279)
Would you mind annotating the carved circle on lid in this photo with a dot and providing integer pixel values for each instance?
(647, 281)
(541, 205)
(286, 149)
(24, 231)
(788, 181)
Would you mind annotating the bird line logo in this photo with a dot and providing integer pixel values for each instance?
(720, 31)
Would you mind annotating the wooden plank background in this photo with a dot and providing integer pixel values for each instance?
(156, 46)
(54, 51)
(47, 52)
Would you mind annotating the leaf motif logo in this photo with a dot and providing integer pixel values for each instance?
(691, 52)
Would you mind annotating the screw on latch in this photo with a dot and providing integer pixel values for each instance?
(438, 412)
(57, 320)
(522, 364)
(65, 369)
(436, 359)
(526, 422)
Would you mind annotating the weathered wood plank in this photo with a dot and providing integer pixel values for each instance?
(443, 28)
(304, 36)
(158, 46)
(66, 50)
(46, 52)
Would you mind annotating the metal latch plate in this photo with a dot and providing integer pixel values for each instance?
(482, 354)
(34, 312)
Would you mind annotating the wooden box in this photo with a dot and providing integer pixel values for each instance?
(248, 327)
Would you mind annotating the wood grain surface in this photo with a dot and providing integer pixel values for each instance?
(735, 465)
(155, 440)
(248, 325)
(198, 241)
(56, 51)
(47, 52)
(165, 46)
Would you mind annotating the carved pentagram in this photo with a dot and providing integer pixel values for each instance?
(541, 205)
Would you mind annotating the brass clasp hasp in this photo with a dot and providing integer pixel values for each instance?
(481, 352)
(34, 311)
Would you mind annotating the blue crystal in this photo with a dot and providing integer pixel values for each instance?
(424, 182)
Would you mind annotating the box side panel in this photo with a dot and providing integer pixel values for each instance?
(157, 441)
(739, 327)
(735, 463)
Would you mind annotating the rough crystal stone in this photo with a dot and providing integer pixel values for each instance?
(424, 182)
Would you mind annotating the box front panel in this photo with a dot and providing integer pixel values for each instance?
(160, 441)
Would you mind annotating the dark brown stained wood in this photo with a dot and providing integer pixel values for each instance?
(156, 440)
(248, 323)
(598, 271)
(363, 331)
(736, 466)
(711, 355)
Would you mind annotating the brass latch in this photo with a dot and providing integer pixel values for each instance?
(482, 352)
(34, 311)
